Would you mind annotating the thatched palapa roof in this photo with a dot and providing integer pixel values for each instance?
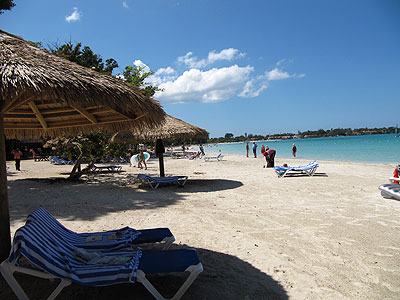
(42, 94)
(171, 128)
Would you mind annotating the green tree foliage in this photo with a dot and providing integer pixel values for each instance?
(84, 57)
(305, 134)
(6, 5)
(89, 148)
(36, 44)
(136, 75)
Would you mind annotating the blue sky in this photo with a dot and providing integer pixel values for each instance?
(251, 66)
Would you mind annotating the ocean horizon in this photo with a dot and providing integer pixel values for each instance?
(379, 148)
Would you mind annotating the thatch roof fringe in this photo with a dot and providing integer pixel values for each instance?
(171, 128)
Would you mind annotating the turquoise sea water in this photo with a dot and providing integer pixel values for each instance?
(381, 148)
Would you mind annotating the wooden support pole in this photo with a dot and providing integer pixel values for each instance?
(161, 162)
(5, 236)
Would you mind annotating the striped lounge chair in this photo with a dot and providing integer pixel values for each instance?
(308, 169)
(390, 190)
(120, 239)
(219, 157)
(49, 256)
(55, 160)
(154, 182)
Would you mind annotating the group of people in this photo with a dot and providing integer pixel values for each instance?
(268, 153)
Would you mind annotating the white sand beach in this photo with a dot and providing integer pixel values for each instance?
(330, 236)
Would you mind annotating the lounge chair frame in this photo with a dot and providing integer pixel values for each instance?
(217, 158)
(96, 169)
(308, 169)
(7, 270)
(390, 190)
(48, 255)
(154, 182)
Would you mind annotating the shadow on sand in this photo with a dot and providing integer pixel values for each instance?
(96, 196)
(288, 175)
(225, 277)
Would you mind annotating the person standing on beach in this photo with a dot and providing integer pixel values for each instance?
(262, 149)
(270, 157)
(33, 153)
(396, 174)
(202, 150)
(294, 150)
(142, 159)
(255, 149)
(247, 149)
(17, 157)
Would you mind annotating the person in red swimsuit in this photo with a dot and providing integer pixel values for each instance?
(396, 174)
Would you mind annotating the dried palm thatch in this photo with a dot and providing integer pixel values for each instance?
(42, 94)
(171, 128)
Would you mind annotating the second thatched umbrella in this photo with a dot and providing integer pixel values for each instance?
(44, 95)
(171, 128)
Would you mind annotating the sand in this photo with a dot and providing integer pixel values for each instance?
(330, 236)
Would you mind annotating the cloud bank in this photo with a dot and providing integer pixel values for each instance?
(75, 16)
(199, 82)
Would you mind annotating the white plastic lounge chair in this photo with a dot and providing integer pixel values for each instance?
(96, 169)
(120, 239)
(390, 190)
(55, 258)
(218, 158)
(308, 169)
(154, 182)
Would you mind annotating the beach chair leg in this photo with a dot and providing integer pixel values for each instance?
(156, 184)
(311, 172)
(8, 275)
(7, 270)
(59, 288)
(182, 182)
(281, 173)
(167, 242)
(194, 270)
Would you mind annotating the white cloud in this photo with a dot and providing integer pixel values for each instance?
(125, 4)
(162, 76)
(75, 16)
(214, 85)
(139, 63)
(254, 87)
(167, 70)
(277, 74)
(225, 54)
(198, 84)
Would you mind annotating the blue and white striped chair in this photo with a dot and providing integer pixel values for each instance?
(308, 169)
(120, 239)
(58, 161)
(219, 157)
(154, 182)
(53, 257)
(390, 190)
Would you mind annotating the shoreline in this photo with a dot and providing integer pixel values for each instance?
(303, 159)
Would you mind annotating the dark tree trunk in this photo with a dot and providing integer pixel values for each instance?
(5, 236)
